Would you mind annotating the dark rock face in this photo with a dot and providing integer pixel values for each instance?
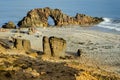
(9, 25)
(39, 18)
(79, 52)
(54, 46)
(18, 44)
(26, 45)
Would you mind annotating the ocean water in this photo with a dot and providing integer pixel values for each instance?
(15, 10)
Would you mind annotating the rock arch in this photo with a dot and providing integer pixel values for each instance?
(51, 21)
(39, 18)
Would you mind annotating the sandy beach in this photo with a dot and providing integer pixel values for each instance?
(57, 40)
(99, 49)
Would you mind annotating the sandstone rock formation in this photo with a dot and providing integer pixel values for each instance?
(58, 46)
(26, 45)
(21, 44)
(9, 25)
(46, 46)
(54, 46)
(39, 18)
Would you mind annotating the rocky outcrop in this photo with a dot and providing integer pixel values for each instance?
(54, 46)
(39, 18)
(57, 46)
(9, 25)
(46, 46)
(22, 44)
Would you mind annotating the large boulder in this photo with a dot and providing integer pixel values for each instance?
(39, 18)
(22, 44)
(46, 46)
(54, 46)
(9, 25)
(57, 46)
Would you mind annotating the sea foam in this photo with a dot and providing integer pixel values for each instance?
(110, 23)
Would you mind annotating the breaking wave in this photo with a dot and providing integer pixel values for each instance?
(110, 23)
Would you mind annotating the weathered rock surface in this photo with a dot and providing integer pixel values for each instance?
(26, 45)
(46, 46)
(9, 25)
(21, 44)
(57, 46)
(39, 18)
(54, 46)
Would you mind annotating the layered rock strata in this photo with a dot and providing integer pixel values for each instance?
(39, 18)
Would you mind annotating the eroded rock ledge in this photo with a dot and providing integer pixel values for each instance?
(39, 18)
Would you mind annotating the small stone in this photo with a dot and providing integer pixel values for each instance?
(79, 52)
(33, 55)
(42, 73)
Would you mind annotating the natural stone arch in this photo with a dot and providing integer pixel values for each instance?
(54, 22)
(51, 21)
(39, 18)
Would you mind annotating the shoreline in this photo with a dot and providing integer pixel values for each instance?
(96, 28)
